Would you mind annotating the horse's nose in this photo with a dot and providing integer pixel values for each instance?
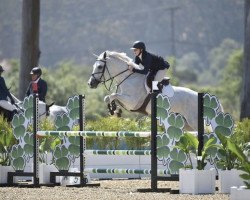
(91, 83)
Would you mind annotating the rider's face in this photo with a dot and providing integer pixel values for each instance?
(137, 52)
(33, 77)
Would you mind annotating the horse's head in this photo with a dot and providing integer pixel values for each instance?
(97, 75)
(109, 66)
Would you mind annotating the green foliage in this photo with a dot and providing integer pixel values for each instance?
(242, 132)
(219, 56)
(47, 143)
(118, 124)
(245, 163)
(7, 140)
(227, 160)
(231, 83)
(12, 76)
(178, 157)
(189, 144)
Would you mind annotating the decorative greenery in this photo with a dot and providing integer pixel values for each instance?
(163, 106)
(163, 149)
(73, 107)
(18, 124)
(224, 124)
(244, 162)
(17, 155)
(189, 144)
(28, 106)
(227, 160)
(61, 159)
(7, 140)
(176, 125)
(121, 124)
(178, 158)
(211, 105)
(62, 122)
(242, 132)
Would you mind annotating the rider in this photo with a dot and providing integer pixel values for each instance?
(4, 93)
(151, 63)
(37, 84)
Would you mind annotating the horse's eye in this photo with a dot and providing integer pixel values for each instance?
(100, 67)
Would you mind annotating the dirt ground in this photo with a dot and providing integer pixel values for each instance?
(108, 190)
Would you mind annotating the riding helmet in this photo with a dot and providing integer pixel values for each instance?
(36, 71)
(139, 45)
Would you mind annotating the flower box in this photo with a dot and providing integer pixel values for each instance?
(239, 193)
(229, 178)
(193, 181)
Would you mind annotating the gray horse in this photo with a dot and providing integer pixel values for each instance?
(131, 91)
(44, 110)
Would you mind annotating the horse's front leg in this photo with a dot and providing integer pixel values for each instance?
(125, 100)
(110, 101)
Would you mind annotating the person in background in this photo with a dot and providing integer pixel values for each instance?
(37, 84)
(4, 95)
(151, 63)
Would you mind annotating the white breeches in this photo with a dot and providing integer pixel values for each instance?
(7, 105)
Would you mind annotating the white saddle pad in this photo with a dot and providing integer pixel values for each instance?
(168, 91)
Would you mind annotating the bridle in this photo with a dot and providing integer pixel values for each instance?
(111, 78)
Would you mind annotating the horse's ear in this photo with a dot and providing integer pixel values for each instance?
(104, 55)
(95, 55)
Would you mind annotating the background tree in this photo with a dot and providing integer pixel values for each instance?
(30, 42)
(245, 104)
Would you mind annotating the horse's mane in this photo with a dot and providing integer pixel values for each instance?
(122, 56)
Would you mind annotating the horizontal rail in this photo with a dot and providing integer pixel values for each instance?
(123, 171)
(94, 133)
(117, 152)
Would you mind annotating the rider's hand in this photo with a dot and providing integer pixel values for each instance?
(12, 101)
(130, 68)
(130, 63)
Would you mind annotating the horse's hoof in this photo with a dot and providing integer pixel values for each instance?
(111, 111)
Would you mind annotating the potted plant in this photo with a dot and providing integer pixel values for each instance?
(46, 165)
(227, 162)
(196, 180)
(7, 140)
(242, 192)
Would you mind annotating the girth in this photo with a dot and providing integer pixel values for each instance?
(142, 109)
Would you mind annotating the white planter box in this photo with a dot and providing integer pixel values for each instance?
(4, 173)
(44, 173)
(240, 193)
(193, 181)
(229, 178)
